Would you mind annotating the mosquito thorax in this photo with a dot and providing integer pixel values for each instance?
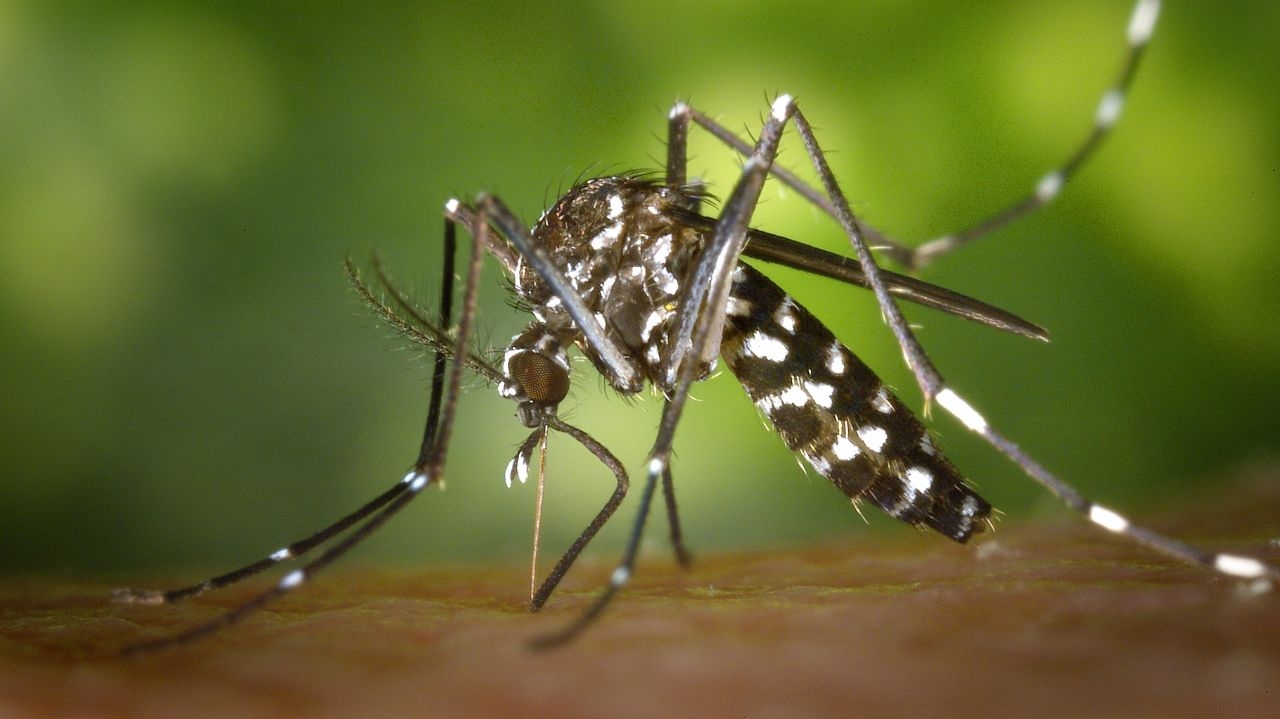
(620, 244)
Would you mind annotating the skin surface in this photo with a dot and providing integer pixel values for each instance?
(1051, 619)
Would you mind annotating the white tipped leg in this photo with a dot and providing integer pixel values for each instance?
(416, 480)
(961, 410)
(620, 577)
(656, 466)
(1049, 186)
(292, 579)
(1237, 566)
(782, 107)
(1143, 21)
(1109, 108)
(1107, 519)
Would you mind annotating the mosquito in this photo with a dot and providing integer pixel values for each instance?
(627, 270)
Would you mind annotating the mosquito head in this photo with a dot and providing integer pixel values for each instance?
(535, 374)
(540, 384)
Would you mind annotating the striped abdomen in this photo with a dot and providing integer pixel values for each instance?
(833, 410)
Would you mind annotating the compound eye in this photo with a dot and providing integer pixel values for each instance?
(543, 380)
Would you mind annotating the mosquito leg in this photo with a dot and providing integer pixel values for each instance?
(289, 552)
(699, 325)
(428, 469)
(921, 367)
(673, 520)
(624, 375)
(1141, 26)
(1232, 565)
(678, 145)
(621, 575)
(610, 506)
(445, 317)
(934, 388)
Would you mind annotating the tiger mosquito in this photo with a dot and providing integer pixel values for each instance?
(627, 269)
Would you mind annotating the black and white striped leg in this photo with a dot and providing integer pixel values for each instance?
(427, 333)
(1142, 23)
(935, 389)
(1141, 26)
(298, 549)
(428, 469)
(1232, 565)
(699, 327)
(490, 210)
(288, 553)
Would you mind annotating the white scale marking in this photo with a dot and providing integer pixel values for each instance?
(522, 468)
(821, 393)
(655, 318)
(781, 106)
(281, 554)
(607, 237)
(835, 359)
(661, 249)
(1107, 519)
(1143, 21)
(919, 480)
(656, 467)
(844, 449)
(652, 355)
(671, 286)
(415, 479)
(620, 576)
(615, 206)
(1109, 108)
(785, 315)
(820, 464)
(793, 395)
(292, 579)
(1049, 186)
(881, 401)
(1237, 566)
(765, 347)
(962, 410)
(873, 437)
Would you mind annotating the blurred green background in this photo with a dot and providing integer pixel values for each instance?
(188, 381)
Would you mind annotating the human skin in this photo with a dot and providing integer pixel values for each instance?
(1045, 619)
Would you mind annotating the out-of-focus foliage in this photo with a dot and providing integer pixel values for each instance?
(188, 381)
